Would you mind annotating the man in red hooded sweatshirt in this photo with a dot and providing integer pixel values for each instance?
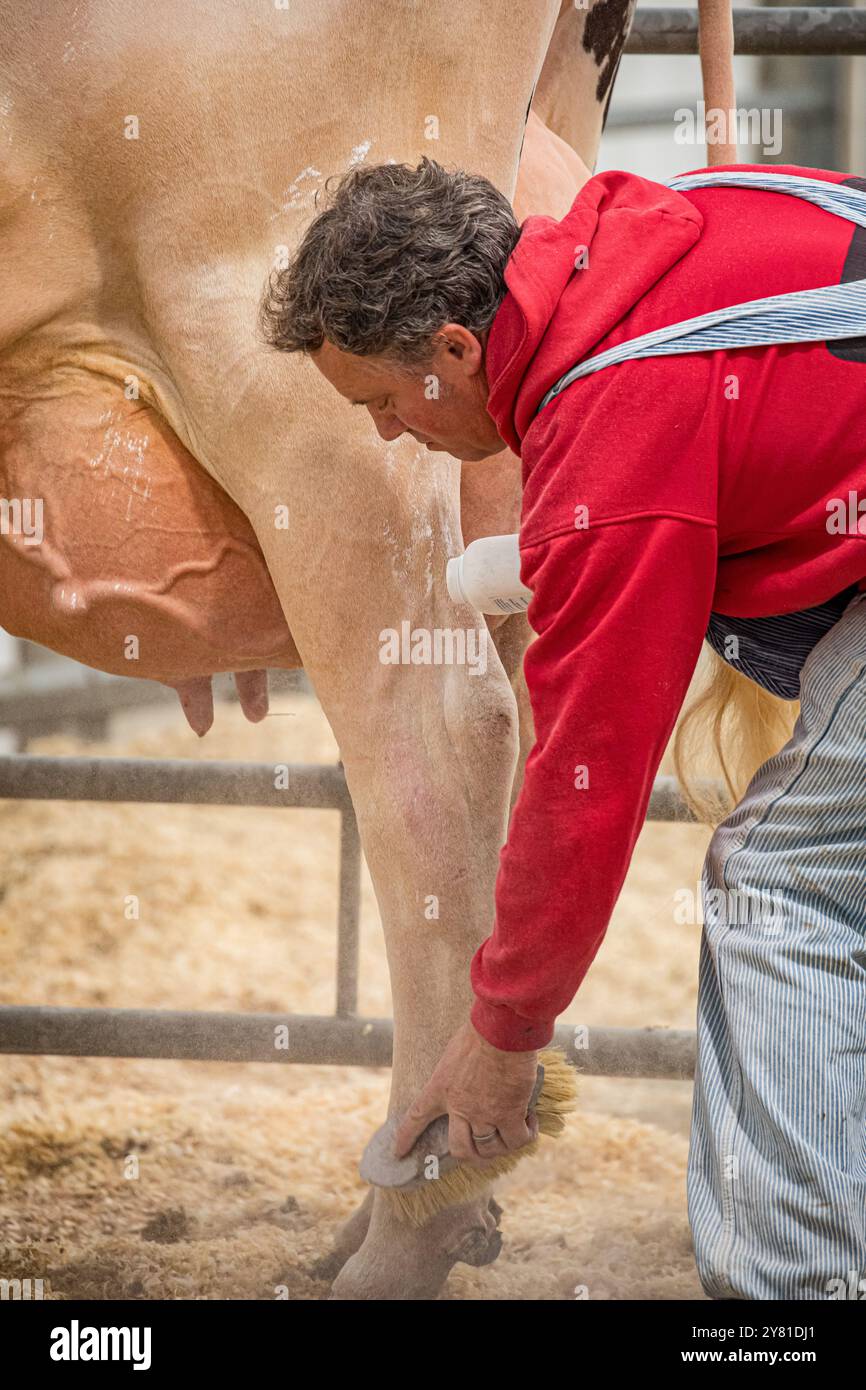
(713, 486)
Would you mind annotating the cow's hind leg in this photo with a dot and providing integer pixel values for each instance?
(348, 1240)
(512, 637)
(426, 724)
(490, 494)
(574, 90)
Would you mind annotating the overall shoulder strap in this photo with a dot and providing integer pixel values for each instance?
(820, 315)
(839, 198)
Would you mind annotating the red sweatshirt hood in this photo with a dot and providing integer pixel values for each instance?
(628, 232)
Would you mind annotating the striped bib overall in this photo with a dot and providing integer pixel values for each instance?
(776, 1180)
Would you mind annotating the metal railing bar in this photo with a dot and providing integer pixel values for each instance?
(757, 31)
(171, 780)
(169, 1035)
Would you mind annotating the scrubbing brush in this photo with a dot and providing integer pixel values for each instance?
(428, 1179)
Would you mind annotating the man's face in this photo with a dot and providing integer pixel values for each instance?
(442, 405)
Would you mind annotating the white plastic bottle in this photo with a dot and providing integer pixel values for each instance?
(487, 576)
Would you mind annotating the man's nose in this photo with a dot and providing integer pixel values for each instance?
(388, 426)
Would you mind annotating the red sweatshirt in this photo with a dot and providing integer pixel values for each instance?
(653, 492)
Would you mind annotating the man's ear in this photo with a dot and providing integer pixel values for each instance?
(463, 345)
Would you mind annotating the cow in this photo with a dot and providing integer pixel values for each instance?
(207, 505)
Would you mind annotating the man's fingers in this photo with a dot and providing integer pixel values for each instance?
(462, 1140)
(421, 1112)
(515, 1133)
(462, 1143)
(466, 1141)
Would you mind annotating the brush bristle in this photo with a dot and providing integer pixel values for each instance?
(556, 1100)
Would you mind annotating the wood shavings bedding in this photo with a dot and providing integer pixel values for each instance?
(134, 1179)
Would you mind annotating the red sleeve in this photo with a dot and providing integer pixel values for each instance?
(620, 611)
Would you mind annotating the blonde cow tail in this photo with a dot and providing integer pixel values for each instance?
(731, 727)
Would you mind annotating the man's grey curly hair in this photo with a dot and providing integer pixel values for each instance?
(397, 253)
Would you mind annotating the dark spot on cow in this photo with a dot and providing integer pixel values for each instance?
(604, 36)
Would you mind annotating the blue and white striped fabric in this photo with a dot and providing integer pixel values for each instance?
(777, 1159)
(802, 316)
(772, 651)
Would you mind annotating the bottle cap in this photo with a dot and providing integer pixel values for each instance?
(453, 579)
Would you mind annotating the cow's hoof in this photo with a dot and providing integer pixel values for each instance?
(479, 1246)
(402, 1262)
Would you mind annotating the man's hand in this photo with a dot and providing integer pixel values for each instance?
(483, 1091)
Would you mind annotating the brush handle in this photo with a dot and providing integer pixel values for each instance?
(536, 1090)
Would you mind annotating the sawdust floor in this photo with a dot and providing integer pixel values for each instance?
(135, 1179)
